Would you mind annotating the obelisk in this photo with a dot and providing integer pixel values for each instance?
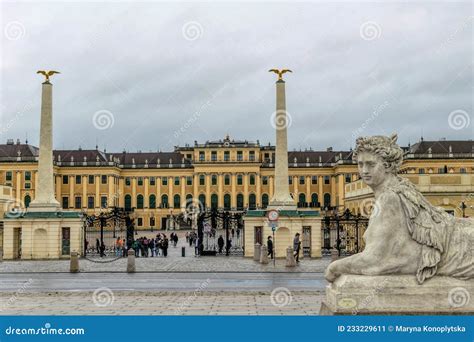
(44, 195)
(281, 198)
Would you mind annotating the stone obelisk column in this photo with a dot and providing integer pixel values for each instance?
(281, 198)
(44, 195)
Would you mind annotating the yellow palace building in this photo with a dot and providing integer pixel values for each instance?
(227, 173)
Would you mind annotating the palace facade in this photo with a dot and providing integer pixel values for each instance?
(227, 173)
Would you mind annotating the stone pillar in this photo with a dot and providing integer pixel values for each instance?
(74, 263)
(111, 201)
(246, 189)
(256, 252)
(121, 193)
(264, 255)
(233, 198)
(84, 191)
(146, 203)
(71, 191)
(97, 191)
(281, 198)
(220, 186)
(259, 190)
(44, 199)
(320, 190)
(333, 190)
(134, 192)
(183, 193)
(208, 190)
(18, 187)
(131, 261)
(290, 259)
(272, 185)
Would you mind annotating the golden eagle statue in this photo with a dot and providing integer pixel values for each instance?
(280, 73)
(47, 73)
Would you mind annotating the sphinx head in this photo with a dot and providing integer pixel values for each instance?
(377, 157)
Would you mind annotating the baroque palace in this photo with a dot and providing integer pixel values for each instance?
(231, 174)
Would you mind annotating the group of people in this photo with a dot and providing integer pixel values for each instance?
(296, 247)
(153, 247)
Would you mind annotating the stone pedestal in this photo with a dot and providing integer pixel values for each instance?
(289, 223)
(263, 255)
(42, 235)
(131, 261)
(290, 259)
(256, 252)
(398, 295)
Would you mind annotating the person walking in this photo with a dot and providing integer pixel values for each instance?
(220, 243)
(196, 246)
(270, 246)
(164, 246)
(296, 247)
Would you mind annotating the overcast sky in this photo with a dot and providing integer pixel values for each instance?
(152, 75)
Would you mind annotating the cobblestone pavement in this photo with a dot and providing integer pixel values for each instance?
(105, 302)
(173, 263)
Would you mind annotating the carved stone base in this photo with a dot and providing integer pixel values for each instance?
(398, 295)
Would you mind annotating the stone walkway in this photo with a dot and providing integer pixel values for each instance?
(103, 301)
(188, 264)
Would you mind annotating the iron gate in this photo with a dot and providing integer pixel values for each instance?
(344, 233)
(108, 236)
(216, 224)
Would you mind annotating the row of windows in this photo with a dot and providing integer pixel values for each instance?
(442, 170)
(227, 180)
(90, 202)
(90, 178)
(215, 200)
(240, 156)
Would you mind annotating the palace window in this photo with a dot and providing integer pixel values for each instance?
(164, 201)
(103, 201)
(462, 170)
(152, 221)
(78, 202)
(301, 180)
(27, 176)
(127, 181)
(239, 179)
(264, 180)
(202, 180)
(314, 180)
(8, 176)
(65, 202)
(140, 221)
(91, 179)
(421, 171)
(226, 180)
(264, 201)
(140, 181)
(176, 180)
(226, 155)
(189, 180)
(326, 180)
(65, 179)
(176, 201)
(164, 181)
(213, 156)
(252, 180)
(214, 180)
(252, 155)
(152, 200)
(103, 179)
(290, 180)
(348, 177)
(78, 180)
(90, 202)
(239, 156)
(28, 185)
(140, 202)
(152, 181)
(202, 156)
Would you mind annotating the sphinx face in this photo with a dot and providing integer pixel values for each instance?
(371, 168)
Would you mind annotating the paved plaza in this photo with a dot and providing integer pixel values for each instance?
(174, 285)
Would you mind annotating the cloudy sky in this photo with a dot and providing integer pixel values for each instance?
(152, 75)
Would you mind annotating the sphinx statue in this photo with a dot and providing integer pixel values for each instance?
(406, 235)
